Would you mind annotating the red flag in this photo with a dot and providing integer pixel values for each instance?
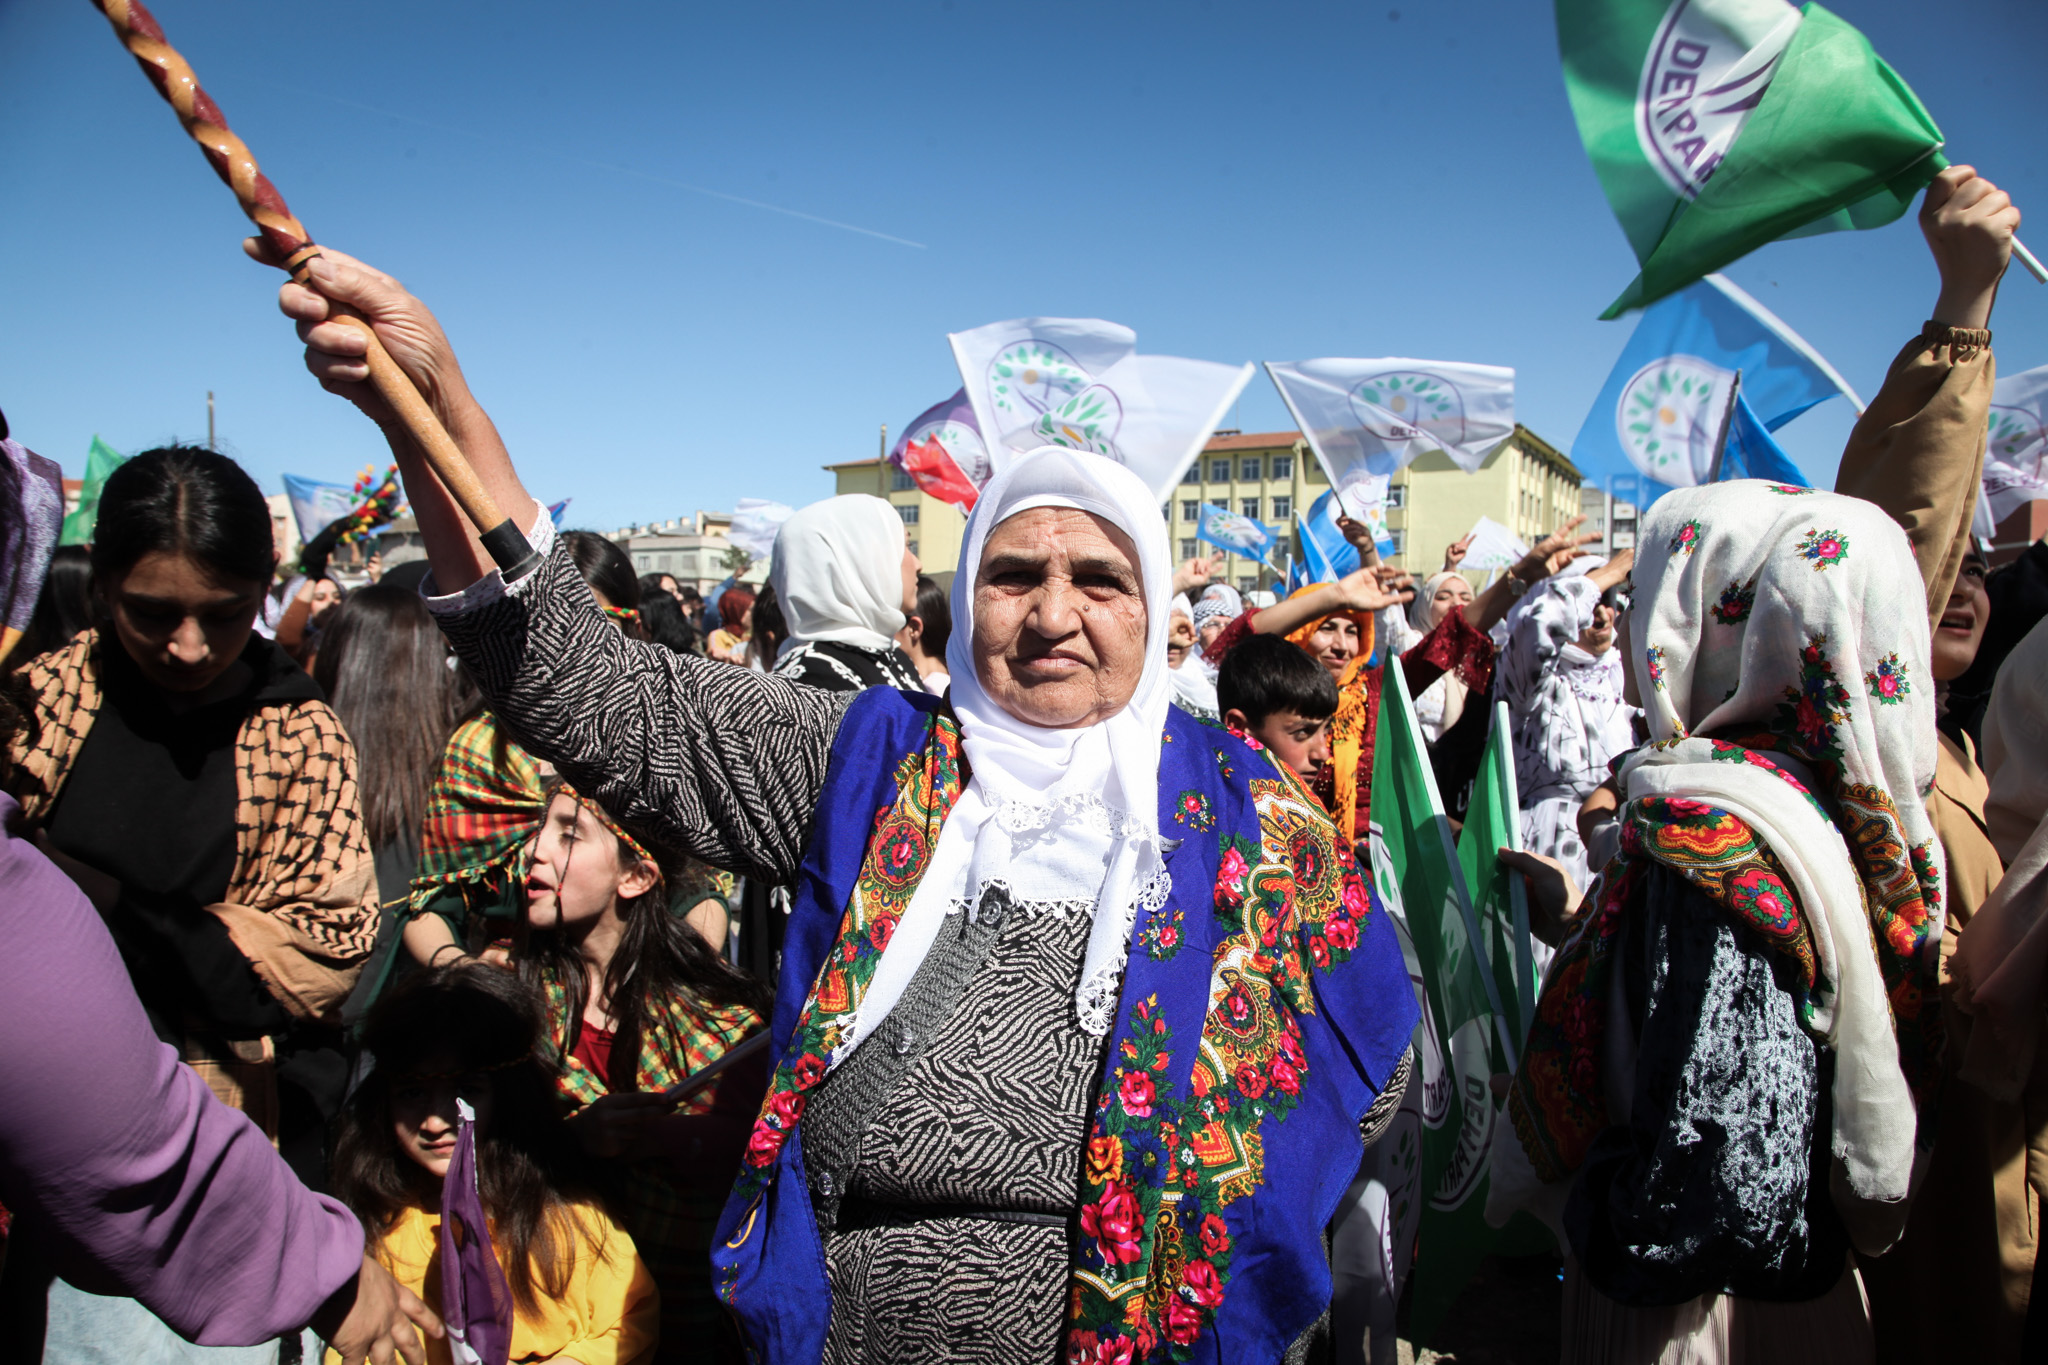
(933, 470)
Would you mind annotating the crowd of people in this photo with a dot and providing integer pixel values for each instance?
(1049, 878)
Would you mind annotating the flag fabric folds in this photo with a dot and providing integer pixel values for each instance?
(1751, 453)
(1372, 417)
(316, 505)
(556, 509)
(1234, 533)
(1325, 555)
(1465, 1037)
(2016, 448)
(942, 452)
(1080, 383)
(1667, 400)
(100, 461)
(476, 1302)
(1716, 126)
(754, 524)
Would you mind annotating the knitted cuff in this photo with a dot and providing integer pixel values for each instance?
(1963, 342)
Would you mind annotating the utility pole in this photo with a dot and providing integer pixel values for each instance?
(209, 421)
(882, 450)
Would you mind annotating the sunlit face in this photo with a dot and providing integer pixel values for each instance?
(182, 624)
(1452, 592)
(1334, 644)
(326, 596)
(910, 571)
(1961, 628)
(1180, 637)
(1300, 743)
(1598, 638)
(669, 586)
(1059, 617)
(576, 877)
(423, 1113)
(1211, 628)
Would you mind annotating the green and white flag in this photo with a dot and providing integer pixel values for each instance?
(78, 523)
(1493, 821)
(1460, 1037)
(1719, 125)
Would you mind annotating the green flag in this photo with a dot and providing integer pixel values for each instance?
(1493, 821)
(99, 463)
(1719, 125)
(1420, 878)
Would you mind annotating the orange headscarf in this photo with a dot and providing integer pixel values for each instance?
(1347, 787)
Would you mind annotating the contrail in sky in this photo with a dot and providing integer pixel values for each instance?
(600, 165)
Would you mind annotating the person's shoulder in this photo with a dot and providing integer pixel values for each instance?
(598, 1229)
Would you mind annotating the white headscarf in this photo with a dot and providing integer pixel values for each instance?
(1772, 608)
(1069, 817)
(1192, 684)
(1418, 610)
(838, 572)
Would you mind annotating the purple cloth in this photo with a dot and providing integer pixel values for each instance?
(476, 1303)
(143, 1182)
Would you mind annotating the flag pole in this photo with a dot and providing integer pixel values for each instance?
(1727, 421)
(294, 250)
(2029, 260)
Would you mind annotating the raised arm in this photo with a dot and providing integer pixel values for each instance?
(1918, 450)
(720, 762)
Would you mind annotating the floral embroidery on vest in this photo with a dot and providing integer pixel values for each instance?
(1154, 1261)
(928, 783)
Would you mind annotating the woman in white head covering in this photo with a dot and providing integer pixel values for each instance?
(1194, 691)
(1438, 706)
(844, 578)
(1754, 977)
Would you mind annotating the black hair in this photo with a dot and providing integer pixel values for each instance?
(487, 1022)
(384, 666)
(659, 958)
(183, 500)
(650, 584)
(605, 567)
(1264, 673)
(936, 615)
(63, 607)
(666, 625)
(766, 630)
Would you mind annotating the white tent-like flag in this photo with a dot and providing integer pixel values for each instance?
(1367, 418)
(2016, 446)
(1080, 383)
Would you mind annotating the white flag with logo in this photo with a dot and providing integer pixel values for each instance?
(1366, 418)
(2016, 446)
(754, 524)
(1080, 383)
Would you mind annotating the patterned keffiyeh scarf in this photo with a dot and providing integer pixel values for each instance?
(1792, 717)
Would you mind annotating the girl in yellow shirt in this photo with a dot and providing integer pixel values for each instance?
(468, 1032)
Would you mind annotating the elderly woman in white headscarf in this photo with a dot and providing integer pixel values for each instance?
(1194, 690)
(1722, 1092)
(1082, 1002)
(845, 579)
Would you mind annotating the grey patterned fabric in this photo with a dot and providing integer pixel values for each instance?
(721, 762)
(1716, 1183)
(973, 1096)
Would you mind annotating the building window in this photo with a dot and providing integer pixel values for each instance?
(1248, 583)
(1399, 538)
(1397, 495)
(1250, 507)
(1194, 474)
(643, 562)
(1219, 471)
(1190, 510)
(1190, 548)
(1283, 466)
(1283, 506)
(907, 511)
(1248, 469)
(900, 480)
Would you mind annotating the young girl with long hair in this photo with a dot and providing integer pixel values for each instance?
(470, 1033)
(636, 1001)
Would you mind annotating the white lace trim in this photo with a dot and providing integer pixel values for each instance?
(1095, 1002)
(1084, 809)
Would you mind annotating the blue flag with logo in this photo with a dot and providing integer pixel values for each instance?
(1234, 533)
(1752, 454)
(1325, 555)
(1668, 399)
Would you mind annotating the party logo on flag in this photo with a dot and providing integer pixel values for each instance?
(1372, 417)
(1669, 415)
(1701, 82)
(1234, 533)
(1407, 405)
(942, 452)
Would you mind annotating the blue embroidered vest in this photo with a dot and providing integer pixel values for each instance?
(1263, 1006)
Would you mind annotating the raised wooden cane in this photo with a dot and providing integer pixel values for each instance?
(140, 33)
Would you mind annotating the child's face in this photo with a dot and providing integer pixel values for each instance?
(423, 1111)
(1302, 744)
(575, 877)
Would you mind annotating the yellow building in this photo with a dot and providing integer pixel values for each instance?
(934, 528)
(1527, 485)
(1265, 475)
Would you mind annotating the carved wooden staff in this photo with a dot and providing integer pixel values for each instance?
(140, 33)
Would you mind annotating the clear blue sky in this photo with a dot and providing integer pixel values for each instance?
(1235, 181)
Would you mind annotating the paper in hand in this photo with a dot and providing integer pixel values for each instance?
(1493, 546)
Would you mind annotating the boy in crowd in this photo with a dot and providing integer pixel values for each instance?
(1272, 693)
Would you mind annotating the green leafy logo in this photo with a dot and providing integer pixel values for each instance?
(1669, 414)
(1401, 405)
